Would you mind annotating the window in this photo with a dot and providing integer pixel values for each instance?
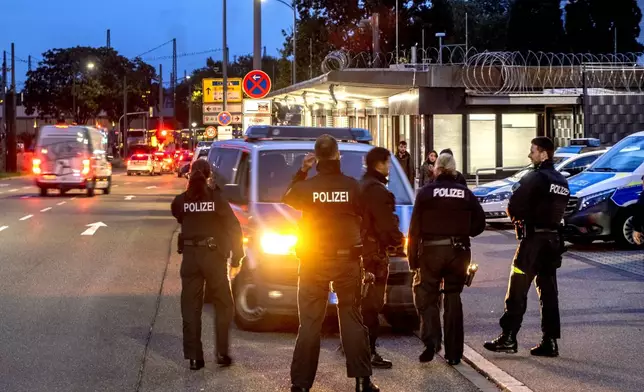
(518, 132)
(224, 163)
(625, 156)
(481, 148)
(448, 133)
(277, 168)
(580, 164)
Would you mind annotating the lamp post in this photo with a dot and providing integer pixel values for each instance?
(190, 106)
(292, 7)
(440, 47)
(90, 66)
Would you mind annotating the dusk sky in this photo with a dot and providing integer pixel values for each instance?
(37, 25)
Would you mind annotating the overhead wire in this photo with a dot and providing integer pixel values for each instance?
(153, 49)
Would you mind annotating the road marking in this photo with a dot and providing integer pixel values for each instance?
(24, 218)
(151, 187)
(26, 187)
(73, 198)
(61, 203)
(25, 197)
(114, 186)
(93, 227)
(45, 209)
(127, 183)
(3, 185)
(2, 228)
(129, 197)
(493, 372)
(13, 190)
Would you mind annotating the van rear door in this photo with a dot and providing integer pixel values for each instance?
(64, 155)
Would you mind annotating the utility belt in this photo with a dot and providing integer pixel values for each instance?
(522, 230)
(353, 252)
(457, 243)
(205, 242)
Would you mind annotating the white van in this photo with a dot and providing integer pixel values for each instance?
(72, 157)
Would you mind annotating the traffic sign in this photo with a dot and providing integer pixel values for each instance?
(215, 108)
(210, 119)
(224, 118)
(211, 132)
(237, 119)
(257, 84)
(213, 90)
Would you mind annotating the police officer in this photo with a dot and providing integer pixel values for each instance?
(329, 248)
(460, 178)
(446, 214)
(209, 232)
(379, 231)
(536, 208)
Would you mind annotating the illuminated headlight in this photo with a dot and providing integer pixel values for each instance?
(497, 197)
(278, 244)
(594, 199)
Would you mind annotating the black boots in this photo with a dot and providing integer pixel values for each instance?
(427, 355)
(196, 364)
(547, 348)
(378, 362)
(364, 384)
(224, 360)
(298, 389)
(505, 343)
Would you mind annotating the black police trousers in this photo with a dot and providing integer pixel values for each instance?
(200, 265)
(312, 296)
(449, 265)
(537, 258)
(374, 301)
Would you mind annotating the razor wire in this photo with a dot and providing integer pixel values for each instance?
(506, 72)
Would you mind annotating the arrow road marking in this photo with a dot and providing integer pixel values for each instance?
(45, 209)
(26, 187)
(127, 183)
(74, 198)
(2, 228)
(93, 227)
(2, 186)
(151, 187)
(129, 197)
(24, 218)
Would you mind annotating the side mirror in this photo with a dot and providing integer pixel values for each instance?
(233, 193)
(565, 174)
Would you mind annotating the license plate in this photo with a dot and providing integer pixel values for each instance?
(333, 298)
(49, 177)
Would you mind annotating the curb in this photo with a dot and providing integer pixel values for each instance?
(502, 379)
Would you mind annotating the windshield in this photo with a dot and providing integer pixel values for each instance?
(626, 156)
(558, 159)
(517, 176)
(63, 147)
(277, 168)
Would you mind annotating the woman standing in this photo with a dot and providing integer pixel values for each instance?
(427, 169)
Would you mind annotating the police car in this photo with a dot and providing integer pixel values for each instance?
(255, 173)
(494, 196)
(602, 197)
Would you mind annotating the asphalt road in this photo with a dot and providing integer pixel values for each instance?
(101, 312)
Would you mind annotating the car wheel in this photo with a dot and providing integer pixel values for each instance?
(623, 229)
(91, 189)
(129, 173)
(63, 192)
(43, 192)
(402, 322)
(108, 188)
(249, 315)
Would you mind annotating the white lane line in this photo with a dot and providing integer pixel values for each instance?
(151, 187)
(13, 190)
(2, 228)
(490, 370)
(25, 197)
(114, 186)
(73, 198)
(26, 187)
(45, 209)
(127, 183)
(61, 203)
(129, 197)
(3, 185)
(24, 218)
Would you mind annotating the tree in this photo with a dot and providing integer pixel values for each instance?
(592, 25)
(89, 79)
(536, 25)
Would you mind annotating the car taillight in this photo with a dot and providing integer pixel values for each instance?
(86, 167)
(36, 166)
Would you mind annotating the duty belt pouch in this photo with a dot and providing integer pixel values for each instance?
(180, 243)
(457, 244)
(520, 230)
(210, 243)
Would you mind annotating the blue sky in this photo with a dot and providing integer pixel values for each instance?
(138, 25)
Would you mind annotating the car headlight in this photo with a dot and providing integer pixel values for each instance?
(595, 198)
(278, 244)
(497, 197)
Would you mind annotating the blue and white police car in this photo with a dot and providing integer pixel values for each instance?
(602, 197)
(494, 196)
(255, 173)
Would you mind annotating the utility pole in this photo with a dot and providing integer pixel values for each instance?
(396, 32)
(160, 97)
(109, 39)
(29, 63)
(11, 135)
(311, 58)
(257, 46)
(125, 123)
(173, 80)
(294, 42)
(225, 60)
(187, 79)
(3, 120)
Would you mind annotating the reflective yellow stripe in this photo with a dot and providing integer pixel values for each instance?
(515, 270)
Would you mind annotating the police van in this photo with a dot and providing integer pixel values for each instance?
(72, 157)
(603, 196)
(254, 173)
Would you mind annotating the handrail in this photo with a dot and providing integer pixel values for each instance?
(495, 169)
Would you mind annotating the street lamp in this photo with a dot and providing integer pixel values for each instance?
(90, 66)
(190, 108)
(194, 125)
(440, 47)
(292, 6)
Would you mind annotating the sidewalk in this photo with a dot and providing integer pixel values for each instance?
(601, 316)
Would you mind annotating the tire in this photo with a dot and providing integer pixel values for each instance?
(91, 189)
(402, 322)
(63, 192)
(129, 173)
(249, 316)
(43, 192)
(178, 174)
(108, 189)
(622, 229)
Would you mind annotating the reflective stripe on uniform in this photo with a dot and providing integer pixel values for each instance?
(515, 270)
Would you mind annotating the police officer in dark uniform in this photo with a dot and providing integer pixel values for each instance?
(536, 208)
(209, 232)
(446, 214)
(329, 248)
(379, 231)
